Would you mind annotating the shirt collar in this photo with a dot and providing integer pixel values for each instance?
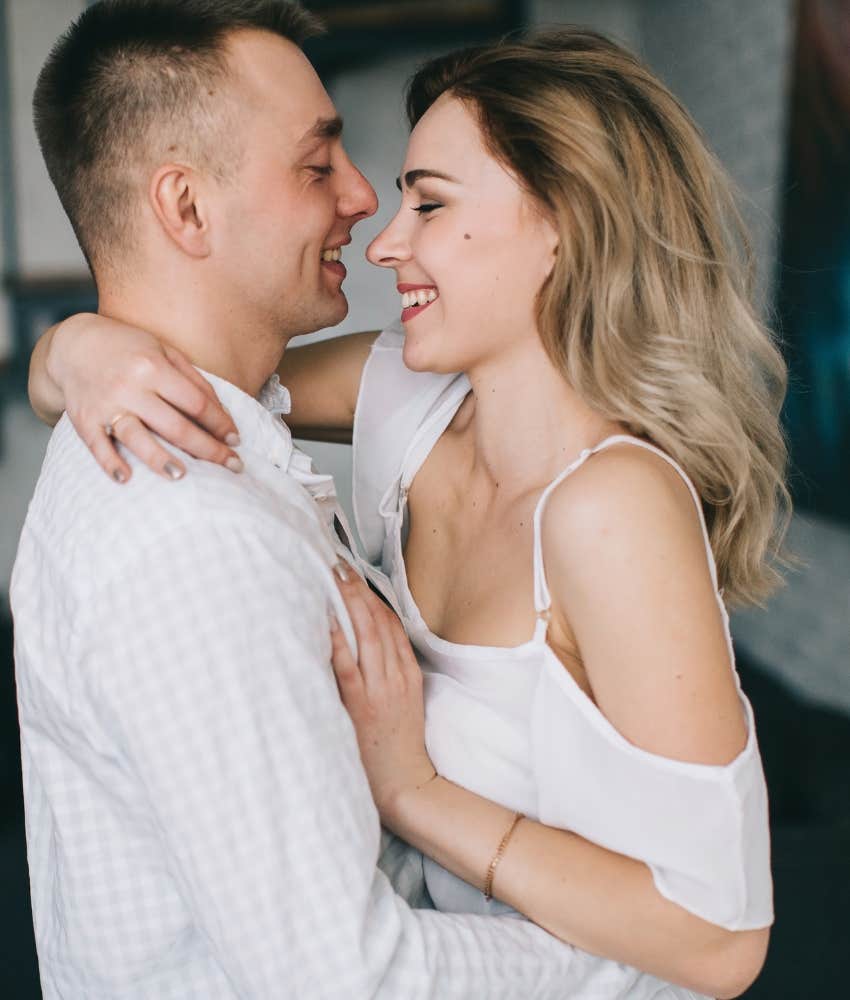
(262, 430)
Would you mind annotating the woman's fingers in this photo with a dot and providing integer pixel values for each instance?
(138, 439)
(178, 430)
(371, 643)
(346, 669)
(408, 664)
(380, 635)
(385, 705)
(205, 410)
(135, 431)
(106, 454)
(389, 673)
(160, 393)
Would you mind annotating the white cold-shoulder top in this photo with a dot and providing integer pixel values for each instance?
(511, 724)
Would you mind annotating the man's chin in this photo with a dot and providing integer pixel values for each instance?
(332, 313)
(339, 310)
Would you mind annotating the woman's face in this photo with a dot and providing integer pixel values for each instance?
(469, 248)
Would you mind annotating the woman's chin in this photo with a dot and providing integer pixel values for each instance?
(413, 355)
(420, 361)
(419, 356)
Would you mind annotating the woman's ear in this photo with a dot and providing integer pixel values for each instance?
(552, 241)
(179, 206)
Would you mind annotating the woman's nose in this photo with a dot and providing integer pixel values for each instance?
(390, 247)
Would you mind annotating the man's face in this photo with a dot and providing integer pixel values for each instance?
(295, 195)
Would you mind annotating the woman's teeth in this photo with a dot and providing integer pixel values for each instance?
(421, 297)
(329, 255)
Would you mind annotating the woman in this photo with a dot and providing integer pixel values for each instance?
(559, 520)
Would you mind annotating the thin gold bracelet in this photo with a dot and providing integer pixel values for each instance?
(497, 857)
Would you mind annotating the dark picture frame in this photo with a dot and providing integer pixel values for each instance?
(364, 30)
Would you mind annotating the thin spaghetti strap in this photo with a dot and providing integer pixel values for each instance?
(542, 597)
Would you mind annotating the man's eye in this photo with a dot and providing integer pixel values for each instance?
(427, 207)
(322, 171)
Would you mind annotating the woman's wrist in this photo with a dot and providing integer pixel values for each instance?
(409, 802)
(60, 337)
(456, 828)
(45, 391)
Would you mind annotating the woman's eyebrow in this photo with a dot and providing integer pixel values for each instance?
(412, 176)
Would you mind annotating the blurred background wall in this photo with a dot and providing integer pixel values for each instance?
(732, 64)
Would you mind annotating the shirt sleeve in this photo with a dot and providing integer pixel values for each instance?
(213, 679)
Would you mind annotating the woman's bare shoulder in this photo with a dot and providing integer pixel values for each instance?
(627, 566)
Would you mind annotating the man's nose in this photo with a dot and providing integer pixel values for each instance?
(390, 247)
(357, 199)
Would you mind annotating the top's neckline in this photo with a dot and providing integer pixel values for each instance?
(423, 443)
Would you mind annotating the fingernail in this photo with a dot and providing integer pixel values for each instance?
(232, 439)
(342, 571)
(173, 471)
(120, 476)
(234, 463)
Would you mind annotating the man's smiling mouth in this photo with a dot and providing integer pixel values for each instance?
(331, 260)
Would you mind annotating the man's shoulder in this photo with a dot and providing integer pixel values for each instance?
(85, 519)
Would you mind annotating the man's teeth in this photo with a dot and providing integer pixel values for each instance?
(329, 255)
(421, 297)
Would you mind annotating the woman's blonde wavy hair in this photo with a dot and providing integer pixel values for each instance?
(648, 310)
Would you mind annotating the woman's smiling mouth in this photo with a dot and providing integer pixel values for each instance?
(415, 299)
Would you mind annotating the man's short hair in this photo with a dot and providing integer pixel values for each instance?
(136, 81)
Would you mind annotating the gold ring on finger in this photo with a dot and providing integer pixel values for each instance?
(113, 423)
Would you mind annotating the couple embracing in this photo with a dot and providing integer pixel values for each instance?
(566, 458)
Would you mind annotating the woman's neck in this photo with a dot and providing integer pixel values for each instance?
(526, 422)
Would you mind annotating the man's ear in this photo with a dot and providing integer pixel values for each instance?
(176, 198)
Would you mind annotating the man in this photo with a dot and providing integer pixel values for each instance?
(198, 821)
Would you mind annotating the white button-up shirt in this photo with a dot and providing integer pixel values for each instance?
(198, 820)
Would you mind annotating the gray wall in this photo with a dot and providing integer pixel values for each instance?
(45, 241)
(729, 63)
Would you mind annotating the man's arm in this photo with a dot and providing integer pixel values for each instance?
(215, 673)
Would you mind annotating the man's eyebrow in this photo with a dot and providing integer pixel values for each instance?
(324, 128)
(412, 176)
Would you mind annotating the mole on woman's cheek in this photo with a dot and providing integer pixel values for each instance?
(466, 236)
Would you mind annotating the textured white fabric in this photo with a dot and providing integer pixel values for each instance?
(198, 821)
(510, 723)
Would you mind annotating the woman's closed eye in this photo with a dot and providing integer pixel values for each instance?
(426, 207)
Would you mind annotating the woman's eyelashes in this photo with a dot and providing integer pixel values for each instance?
(426, 207)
